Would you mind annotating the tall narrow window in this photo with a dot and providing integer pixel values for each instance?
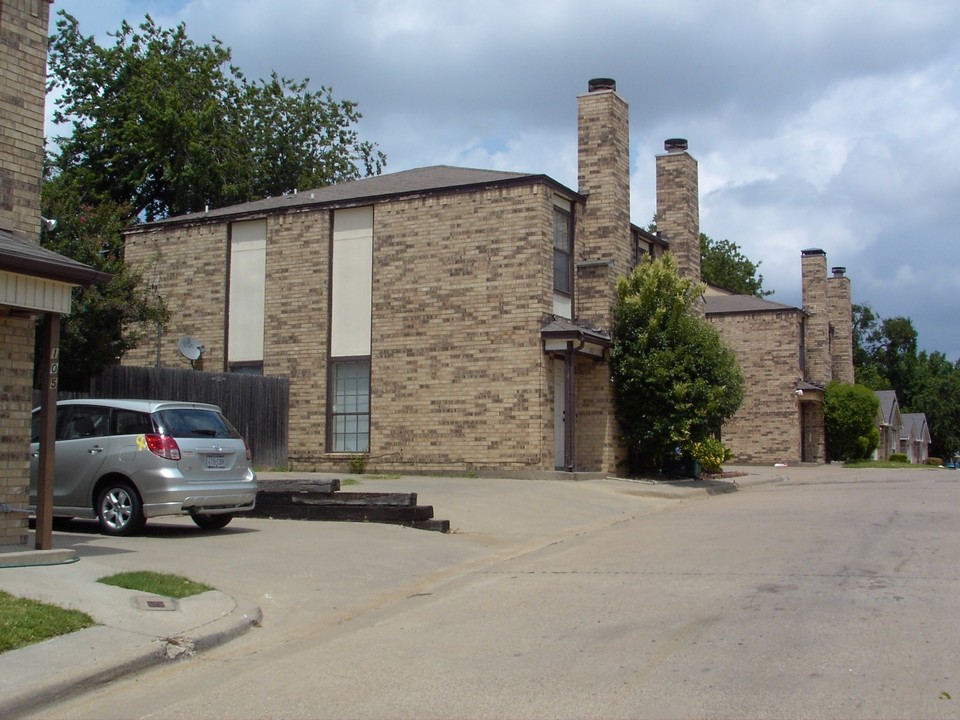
(562, 251)
(350, 413)
(351, 298)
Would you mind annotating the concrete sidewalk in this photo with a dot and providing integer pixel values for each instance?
(136, 630)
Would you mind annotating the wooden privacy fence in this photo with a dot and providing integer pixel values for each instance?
(257, 406)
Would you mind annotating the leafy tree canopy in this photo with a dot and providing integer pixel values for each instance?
(723, 264)
(674, 380)
(167, 126)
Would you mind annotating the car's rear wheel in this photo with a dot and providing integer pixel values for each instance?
(119, 509)
(212, 522)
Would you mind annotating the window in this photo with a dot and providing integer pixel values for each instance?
(562, 251)
(350, 408)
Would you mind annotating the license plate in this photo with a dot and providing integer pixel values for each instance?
(216, 462)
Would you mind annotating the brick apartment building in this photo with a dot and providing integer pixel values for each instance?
(439, 318)
(33, 281)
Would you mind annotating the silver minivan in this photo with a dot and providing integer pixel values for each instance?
(123, 461)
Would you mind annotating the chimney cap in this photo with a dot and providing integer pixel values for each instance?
(675, 145)
(812, 251)
(838, 271)
(601, 84)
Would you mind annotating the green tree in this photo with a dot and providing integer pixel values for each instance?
(937, 389)
(849, 416)
(674, 380)
(167, 126)
(723, 264)
(105, 319)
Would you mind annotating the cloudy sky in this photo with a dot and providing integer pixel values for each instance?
(816, 123)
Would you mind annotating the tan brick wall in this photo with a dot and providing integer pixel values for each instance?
(461, 285)
(23, 58)
(16, 381)
(188, 266)
(766, 428)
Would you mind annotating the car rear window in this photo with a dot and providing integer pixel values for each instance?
(191, 422)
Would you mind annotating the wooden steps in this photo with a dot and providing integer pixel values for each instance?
(305, 499)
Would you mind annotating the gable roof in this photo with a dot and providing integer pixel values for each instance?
(889, 407)
(728, 304)
(20, 256)
(437, 178)
(915, 427)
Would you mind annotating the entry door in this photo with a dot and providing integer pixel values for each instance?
(559, 415)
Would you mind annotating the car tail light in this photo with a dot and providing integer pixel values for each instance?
(163, 446)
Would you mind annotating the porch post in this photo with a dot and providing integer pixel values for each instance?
(48, 430)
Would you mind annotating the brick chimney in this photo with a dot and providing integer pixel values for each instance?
(841, 324)
(817, 360)
(678, 205)
(604, 249)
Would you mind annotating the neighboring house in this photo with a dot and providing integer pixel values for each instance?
(33, 281)
(915, 437)
(455, 319)
(889, 423)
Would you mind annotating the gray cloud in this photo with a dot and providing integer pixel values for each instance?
(815, 123)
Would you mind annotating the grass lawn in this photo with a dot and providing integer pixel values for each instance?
(24, 622)
(171, 586)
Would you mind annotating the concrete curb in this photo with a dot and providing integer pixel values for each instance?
(51, 671)
(694, 488)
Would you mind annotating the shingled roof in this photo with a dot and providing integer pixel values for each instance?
(718, 304)
(20, 256)
(420, 180)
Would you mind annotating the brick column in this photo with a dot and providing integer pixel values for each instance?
(678, 206)
(841, 320)
(818, 364)
(604, 177)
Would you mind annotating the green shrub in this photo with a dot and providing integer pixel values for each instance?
(898, 457)
(849, 414)
(358, 464)
(933, 461)
(711, 453)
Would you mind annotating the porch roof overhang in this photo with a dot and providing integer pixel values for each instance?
(560, 336)
(36, 279)
(809, 392)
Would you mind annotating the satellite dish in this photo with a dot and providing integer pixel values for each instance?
(190, 347)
